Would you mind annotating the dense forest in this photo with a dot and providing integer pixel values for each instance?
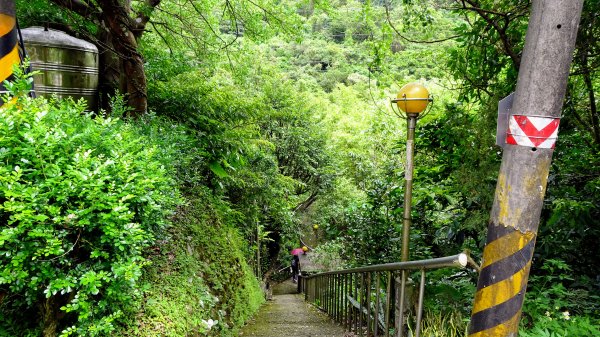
(228, 128)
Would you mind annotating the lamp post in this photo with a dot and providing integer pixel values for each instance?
(412, 100)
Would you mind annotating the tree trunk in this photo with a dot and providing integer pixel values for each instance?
(125, 43)
(111, 72)
(49, 318)
(136, 85)
(587, 79)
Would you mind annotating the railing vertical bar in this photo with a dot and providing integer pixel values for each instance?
(327, 291)
(323, 302)
(323, 298)
(305, 289)
(320, 289)
(345, 301)
(331, 294)
(317, 291)
(402, 294)
(341, 298)
(362, 298)
(317, 300)
(338, 298)
(376, 314)
(420, 306)
(388, 298)
(368, 303)
(335, 298)
(354, 311)
(323, 292)
(314, 289)
(324, 295)
(332, 297)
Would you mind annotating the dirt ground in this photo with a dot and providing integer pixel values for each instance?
(288, 315)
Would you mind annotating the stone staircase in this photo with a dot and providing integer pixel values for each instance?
(288, 315)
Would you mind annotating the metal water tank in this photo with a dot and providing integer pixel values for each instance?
(69, 65)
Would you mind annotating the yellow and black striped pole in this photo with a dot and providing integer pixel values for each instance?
(502, 282)
(521, 186)
(9, 50)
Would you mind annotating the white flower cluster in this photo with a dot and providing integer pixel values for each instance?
(209, 323)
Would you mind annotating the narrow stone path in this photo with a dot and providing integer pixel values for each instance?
(288, 315)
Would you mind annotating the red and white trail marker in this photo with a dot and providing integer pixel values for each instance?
(539, 132)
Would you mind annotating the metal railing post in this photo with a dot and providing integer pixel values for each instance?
(346, 307)
(368, 302)
(388, 300)
(400, 305)
(354, 311)
(362, 299)
(376, 314)
(420, 305)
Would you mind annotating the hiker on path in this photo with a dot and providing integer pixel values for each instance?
(295, 268)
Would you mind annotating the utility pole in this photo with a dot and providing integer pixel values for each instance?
(9, 51)
(522, 181)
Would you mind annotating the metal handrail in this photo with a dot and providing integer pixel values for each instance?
(458, 260)
(356, 299)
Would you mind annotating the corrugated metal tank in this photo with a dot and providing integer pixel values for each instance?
(69, 65)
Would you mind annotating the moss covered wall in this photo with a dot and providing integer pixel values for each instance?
(199, 283)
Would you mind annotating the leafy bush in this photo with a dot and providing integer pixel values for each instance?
(199, 282)
(552, 293)
(562, 326)
(80, 199)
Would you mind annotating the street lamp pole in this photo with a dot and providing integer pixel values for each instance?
(408, 179)
(412, 100)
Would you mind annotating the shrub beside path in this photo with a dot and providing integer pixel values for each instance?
(288, 315)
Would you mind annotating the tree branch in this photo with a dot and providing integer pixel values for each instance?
(143, 16)
(389, 20)
(485, 15)
(82, 8)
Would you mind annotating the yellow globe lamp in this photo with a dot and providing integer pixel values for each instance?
(413, 98)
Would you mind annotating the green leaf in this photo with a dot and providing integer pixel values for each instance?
(217, 169)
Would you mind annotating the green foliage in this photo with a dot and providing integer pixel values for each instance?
(562, 325)
(81, 198)
(329, 255)
(437, 324)
(199, 283)
(553, 290)
(259, 145)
